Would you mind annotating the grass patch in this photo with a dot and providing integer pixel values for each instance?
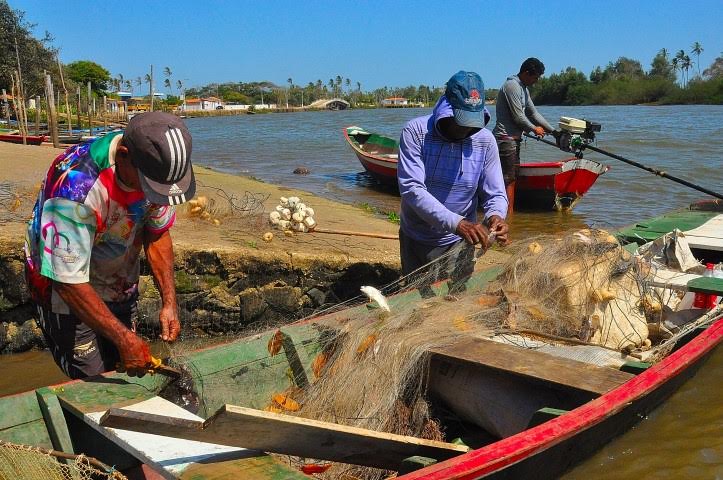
(391, 216)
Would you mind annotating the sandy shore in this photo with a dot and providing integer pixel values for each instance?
(23, 167)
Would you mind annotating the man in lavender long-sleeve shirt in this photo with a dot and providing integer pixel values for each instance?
(448, 167)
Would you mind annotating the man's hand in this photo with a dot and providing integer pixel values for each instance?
(135, 355)
(170, 326)
(500, 228)
(473, 233)
(539, 131)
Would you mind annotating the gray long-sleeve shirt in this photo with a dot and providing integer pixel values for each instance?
(516, 112)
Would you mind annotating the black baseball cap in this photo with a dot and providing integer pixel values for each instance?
(159, 145)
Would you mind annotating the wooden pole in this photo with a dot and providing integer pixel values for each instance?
(105, 108)
(18, 104)
(37, 114)
(357, 234)
(77, 111)
(52, 116)
(90, 117)
(65, 91)
(6, 106)
(21, 95)
(151, 88)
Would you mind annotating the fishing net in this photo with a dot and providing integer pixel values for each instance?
(22, 462)
(16, 201)
(361, 365)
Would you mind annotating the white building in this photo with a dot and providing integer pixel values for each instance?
(204, 103)
(395, 102)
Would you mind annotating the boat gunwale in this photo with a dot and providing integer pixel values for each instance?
(506, 452)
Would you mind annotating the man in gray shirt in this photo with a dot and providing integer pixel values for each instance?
(517, 114)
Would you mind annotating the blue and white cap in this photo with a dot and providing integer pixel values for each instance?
(466, 93)
(160, 148)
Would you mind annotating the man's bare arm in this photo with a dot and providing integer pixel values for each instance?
(85, 304)
(159, 252)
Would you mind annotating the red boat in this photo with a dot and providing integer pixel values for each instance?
(29, 139)
(549, 185)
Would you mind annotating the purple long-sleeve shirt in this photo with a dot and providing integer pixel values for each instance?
(442, 182)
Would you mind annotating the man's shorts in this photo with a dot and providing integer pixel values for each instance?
(457, 265)
(510, 159)
(76, 348)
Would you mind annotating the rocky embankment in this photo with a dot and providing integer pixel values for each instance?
(219, 290)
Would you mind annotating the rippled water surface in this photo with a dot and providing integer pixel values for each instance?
(685, 141)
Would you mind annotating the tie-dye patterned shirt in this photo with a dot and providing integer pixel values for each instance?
(88, 227)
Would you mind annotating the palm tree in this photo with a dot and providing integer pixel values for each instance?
(129, 85)
(674, 63)
(348, 86)
(331, 86)
(120, 81)
(338, 84)
(697, 48)
(290, 81)
(139, 82)
(681, 59)
(167, 83)
(148, 80)
(687, 64)
(664, 52)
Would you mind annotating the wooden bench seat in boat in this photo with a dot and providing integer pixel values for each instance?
(535, 365)
(499, 387)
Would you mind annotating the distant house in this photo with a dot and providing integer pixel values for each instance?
(203, 103)
(395, 102)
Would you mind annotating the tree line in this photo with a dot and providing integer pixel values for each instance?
(625, 82)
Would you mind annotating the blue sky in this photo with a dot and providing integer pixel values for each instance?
(374, 42)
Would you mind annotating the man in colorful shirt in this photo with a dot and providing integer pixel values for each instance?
(448, 166)
(517, 114)
(100, 202)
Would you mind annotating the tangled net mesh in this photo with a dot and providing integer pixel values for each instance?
(359, 365)
(16, 201)
(31, 463)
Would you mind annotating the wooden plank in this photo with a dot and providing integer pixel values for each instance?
(533, 364)
(174, 457)
(706, 285)
(687, 282)
(284, 434)
(704, 243)
(54, 420)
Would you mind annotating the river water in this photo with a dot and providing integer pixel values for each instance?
(682, 439)
(685, 141)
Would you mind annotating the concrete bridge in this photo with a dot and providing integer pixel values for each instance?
(333, 104)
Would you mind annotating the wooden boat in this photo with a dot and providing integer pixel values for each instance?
(546, 185)
(30, 139)
(594, 403)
